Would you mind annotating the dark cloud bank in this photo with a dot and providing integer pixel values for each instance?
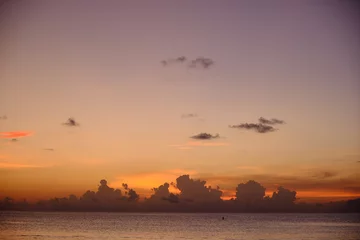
(194, 196)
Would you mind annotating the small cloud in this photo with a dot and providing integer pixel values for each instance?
(71, 123)
(201, 62)
(14, 140)
(14, 135)
(260, 128)
(189, 115)
(48, 149)
(171, 61)
(205, 136)
(3, 117)
(272, 121)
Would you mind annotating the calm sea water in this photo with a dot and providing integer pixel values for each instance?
(61, 225)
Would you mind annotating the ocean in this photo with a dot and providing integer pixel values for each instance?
(89, 225)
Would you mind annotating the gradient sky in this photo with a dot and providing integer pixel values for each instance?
(99, 62)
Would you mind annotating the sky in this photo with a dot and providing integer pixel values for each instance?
(137, 107)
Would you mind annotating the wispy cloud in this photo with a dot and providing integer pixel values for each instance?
(14, 135)
(71, 122)
(189, 115)
(264, 125)
(272, 121)
(325, 174)
(171, 61)
(200, 62)
(253, 168)
(6, 165)
(206, 144)
(260, 128)
(192, 144)
(3, 117)
(205, 136)
(49, 149)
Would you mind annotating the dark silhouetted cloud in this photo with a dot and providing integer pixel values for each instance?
(14, 140)
(49, 149)
(3, 117)
(250, 192)
(272, 121)
(131, 193)
(260, 128)
(284, 196)
(201, 62)
(189, 115)
(195, 190)
(205, 136)
(71, 123)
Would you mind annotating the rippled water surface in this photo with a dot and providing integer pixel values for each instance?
(61, 225)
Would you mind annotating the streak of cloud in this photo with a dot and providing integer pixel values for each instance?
(200, 62)
(260, 128)
(272, 121)
(71, 122)
(205, 136)
(171, 61)
(14, 135)
(325, 174)
(191, 144)
(189, 115)
(3, 117)
(49, 149)
(5, 165)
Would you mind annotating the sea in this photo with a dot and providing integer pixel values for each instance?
(247, 226)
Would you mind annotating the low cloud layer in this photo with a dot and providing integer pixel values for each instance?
(71, 122)
(205, 136)
(200, 62)
(191, 195)
(257, 127)
(14, 135)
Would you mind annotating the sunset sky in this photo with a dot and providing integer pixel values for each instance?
(100, 62)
